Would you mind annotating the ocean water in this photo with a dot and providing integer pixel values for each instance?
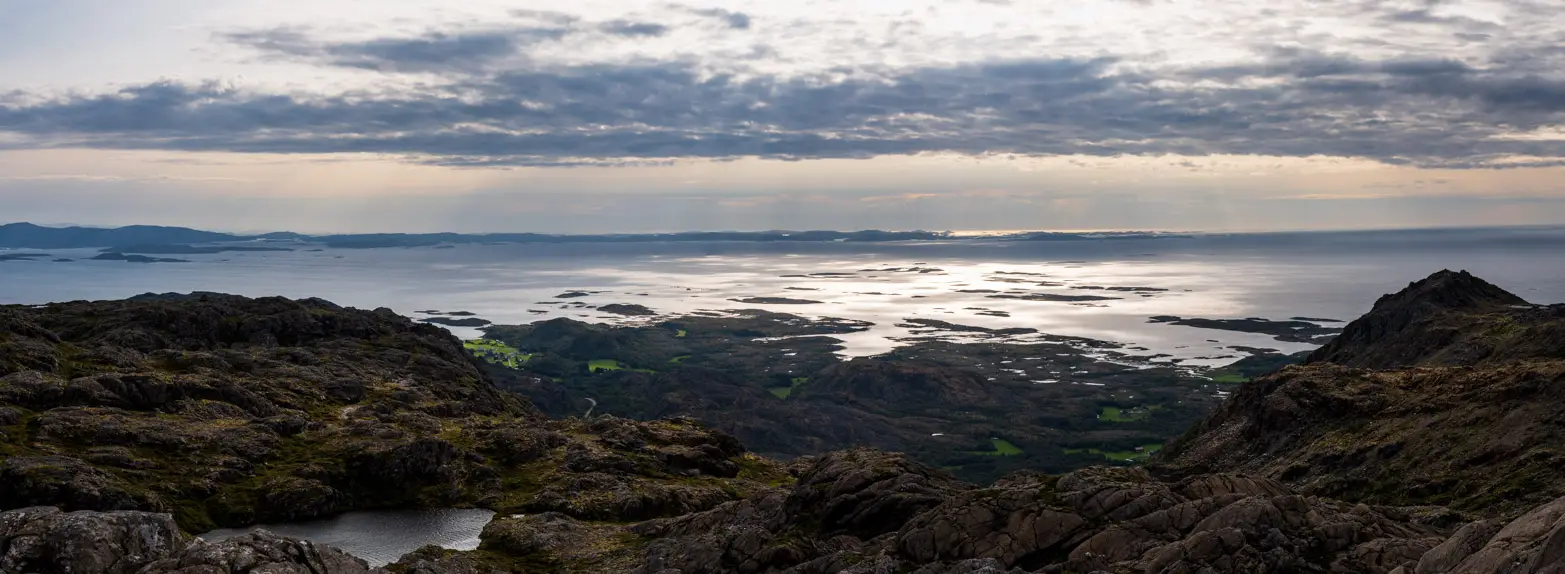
(380, 537)
(1274, 276)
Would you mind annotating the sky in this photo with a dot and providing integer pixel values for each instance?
(590, 116)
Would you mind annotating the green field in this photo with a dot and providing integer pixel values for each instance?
(1119, 455)
(1118, 415)
(597, 365)
(496, 352)
(1002, 447)
(785, 392)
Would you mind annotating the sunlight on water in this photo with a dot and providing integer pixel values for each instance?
(965, 283)
(381, 537)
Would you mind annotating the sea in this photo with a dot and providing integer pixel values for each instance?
(1279, 276)
(966, 280)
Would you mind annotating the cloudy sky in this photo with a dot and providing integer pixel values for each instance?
(628, 115)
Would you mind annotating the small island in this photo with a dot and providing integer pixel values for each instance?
(775, 301)
(135, 258)
(627, 309)
(456, 322)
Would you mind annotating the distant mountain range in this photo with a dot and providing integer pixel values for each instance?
(157, 239)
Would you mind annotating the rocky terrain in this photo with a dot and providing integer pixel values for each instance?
(1323, 467)
(1445, 393)
(227, 411)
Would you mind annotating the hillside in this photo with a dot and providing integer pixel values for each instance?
(228, 410)
(1447, 392)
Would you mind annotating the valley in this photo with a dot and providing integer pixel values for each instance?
(776, 382)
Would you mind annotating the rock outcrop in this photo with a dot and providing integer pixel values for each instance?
(1449, 318)
(46, 539)
(1471, 425)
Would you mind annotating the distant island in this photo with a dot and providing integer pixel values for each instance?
(154, 240)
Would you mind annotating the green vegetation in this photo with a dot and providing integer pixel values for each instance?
(495, 352)
(1140, 453)
(679, 359)
(785, 392)
(1002, 447)
(681, 333)
(1229, 378)
(597, 365)
(1118, 415)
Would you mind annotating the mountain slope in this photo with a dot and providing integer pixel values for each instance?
(1447, 319)
(1447, 392)
(228, 411)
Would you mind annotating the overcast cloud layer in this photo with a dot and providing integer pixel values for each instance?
(494, 92)
(1429, 84)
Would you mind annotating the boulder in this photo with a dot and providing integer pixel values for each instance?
(46, 539)
(259, 552)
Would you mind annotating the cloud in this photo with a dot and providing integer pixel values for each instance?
(550, 16)
(633, 29)
(1427, 16)
(432, 52)
(499, 108)
(735, 20)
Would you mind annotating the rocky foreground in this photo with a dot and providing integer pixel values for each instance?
(1424, 440)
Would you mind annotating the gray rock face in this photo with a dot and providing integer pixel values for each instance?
(46, 539)
(867, 493)
(259, 552)
(1532, 544)
(1121, 519)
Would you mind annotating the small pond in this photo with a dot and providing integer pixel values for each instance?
(380, 537)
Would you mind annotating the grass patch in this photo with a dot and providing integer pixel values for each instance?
(489, 344)
(1118, 415)
(785, 392)
(679, 359)
(681, 333)
(1145, 451)
(1002, 447)
(598, 365)
(753, 467)
(495, 352)
(1230, 378)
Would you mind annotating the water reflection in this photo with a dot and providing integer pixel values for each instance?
(380, 537)
(1270, 276)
